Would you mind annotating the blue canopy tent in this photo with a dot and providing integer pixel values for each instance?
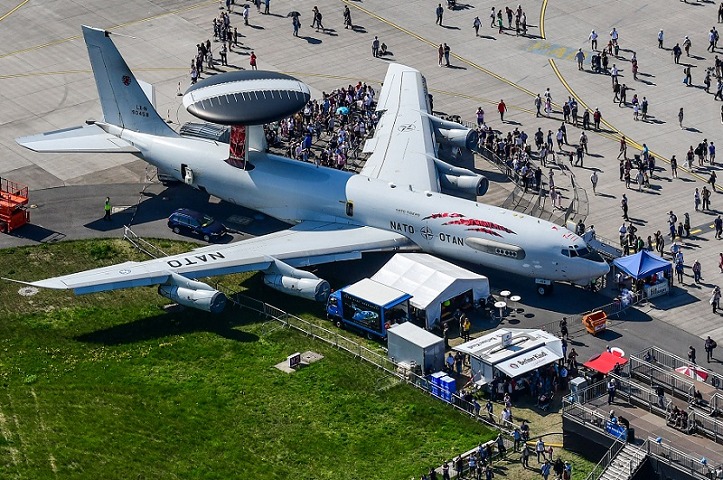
(642, 264)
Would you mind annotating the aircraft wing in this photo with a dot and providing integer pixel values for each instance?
(403, 146)
(308, 243)
(85, 139)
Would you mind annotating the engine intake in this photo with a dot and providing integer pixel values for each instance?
(461, 179)
(207, 300)
(454, 134)
(315, 289)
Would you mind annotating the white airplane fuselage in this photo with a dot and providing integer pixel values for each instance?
(440, 224)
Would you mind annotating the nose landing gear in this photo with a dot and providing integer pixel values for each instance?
(544, 286)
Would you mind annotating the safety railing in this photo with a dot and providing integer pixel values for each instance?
(142, 245)
(706, 425)
(599, 469)
(574, 321)
(359, 351)
(627, 389)
(671, 456)
(654, 375)
(671, 361)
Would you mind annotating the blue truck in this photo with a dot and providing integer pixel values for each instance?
(368, 306)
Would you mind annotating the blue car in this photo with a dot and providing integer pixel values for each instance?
(191, 222)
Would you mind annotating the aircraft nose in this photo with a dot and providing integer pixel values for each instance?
(599, 269)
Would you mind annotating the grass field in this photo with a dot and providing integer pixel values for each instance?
(112, 386)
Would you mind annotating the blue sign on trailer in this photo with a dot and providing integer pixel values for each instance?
(368, 306)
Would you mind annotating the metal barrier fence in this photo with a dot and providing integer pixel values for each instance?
(599, 469)
(359, 351)
(142, 245)
(671, 456)
(574, 321)
(706, 425)
(317, 332)
(648, 372)
(672, 361)
(630, 391)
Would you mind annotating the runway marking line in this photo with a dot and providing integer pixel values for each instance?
(13, 10)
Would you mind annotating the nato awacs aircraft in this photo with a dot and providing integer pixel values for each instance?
(395, 202)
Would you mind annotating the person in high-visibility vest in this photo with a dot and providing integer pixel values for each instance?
(107, 209)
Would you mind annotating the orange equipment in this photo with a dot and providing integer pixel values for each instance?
(595, 321)
(13, 199)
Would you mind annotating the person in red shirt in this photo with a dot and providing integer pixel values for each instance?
(252, 61)
(502, 108)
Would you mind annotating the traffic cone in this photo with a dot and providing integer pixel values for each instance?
(178, 90)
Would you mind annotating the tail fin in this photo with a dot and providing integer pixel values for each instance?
(123, 101)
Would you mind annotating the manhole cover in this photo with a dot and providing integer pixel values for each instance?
(28, 291)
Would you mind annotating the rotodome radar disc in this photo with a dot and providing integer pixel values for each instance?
(247, 97)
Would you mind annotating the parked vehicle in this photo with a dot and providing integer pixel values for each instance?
(188, 221)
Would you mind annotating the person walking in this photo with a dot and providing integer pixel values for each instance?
(597, 117)
(680, 117)
(440, 54)
(612, 387)
(440, 12)
(580, 57)
(714, 303)
(709, 346)
(593, 40)
(697, 270)
(476, 24)
(502, 108)
(593, 181)
(107, 209)
(674, 166)
(252, 61)
(660, 38)
(624, 207)
(446, 55)
(540, 450)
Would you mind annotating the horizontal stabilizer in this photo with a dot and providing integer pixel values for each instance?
(84, 139)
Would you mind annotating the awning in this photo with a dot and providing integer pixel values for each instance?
(527, 361)
(605, 362)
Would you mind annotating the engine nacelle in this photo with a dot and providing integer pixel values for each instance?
(309, 288)
(454, 134)
(208, 300)
(461, 179)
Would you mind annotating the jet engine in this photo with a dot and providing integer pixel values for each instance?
(193, 294)
(461, 179)
(454, 134)
(299, 283)
(309, 288)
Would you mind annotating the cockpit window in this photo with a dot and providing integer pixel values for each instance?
(573, 252)
(565, 252)
(583, 251)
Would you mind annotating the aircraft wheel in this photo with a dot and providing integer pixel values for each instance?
(176, 230)
(339, 324)
(543, 290)
(370, 336)
(206, 238)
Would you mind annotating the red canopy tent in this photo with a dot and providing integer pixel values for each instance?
(605, 362)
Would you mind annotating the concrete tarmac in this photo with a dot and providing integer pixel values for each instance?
(47, 84)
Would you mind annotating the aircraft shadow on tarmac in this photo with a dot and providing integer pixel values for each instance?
(154, 207)
(183, 322)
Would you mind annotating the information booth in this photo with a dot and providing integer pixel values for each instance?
(511, 352)
(651, 274)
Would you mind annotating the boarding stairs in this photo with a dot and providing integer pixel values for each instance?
(624, 465)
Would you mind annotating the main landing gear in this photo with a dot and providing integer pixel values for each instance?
(544, 287)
